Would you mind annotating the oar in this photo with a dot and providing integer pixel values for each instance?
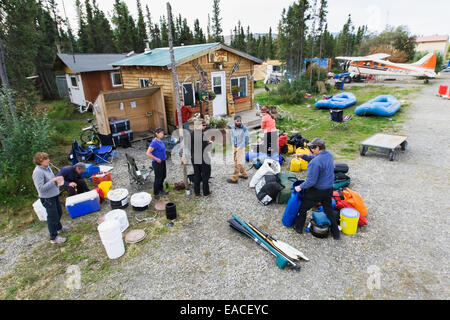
(270, 242)
(288, 249)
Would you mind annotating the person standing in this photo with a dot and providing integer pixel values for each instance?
(270, 131)
(157, 152)
(74, 183)
(240, 138)
(318, 185)
(186, 114)
(47, 186)
(200, 159)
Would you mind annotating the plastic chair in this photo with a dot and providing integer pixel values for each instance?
(78, 154)
(137, 176)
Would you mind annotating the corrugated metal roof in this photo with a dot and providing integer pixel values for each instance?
(433, 38)
(160, 57)
(87, 62)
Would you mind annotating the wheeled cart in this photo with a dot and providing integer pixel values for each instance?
(390, 142)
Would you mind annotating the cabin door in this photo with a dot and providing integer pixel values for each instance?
(219, 87)
(76, 90)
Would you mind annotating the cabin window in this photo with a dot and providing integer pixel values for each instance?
(276, 68)
(241, 83)
(116, 80)
(188, 94)
(74, 82)
(144, 82)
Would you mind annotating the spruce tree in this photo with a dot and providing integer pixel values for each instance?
(199, 37)
(216, 23)
(141, 30)
(164, 32)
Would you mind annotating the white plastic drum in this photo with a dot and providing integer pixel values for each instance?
(140, 201)
(111, 237)
(119, 215)
(118, 198)
(40, 210)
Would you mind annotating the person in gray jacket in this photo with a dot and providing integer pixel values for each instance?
(240, 138)
(47, 186)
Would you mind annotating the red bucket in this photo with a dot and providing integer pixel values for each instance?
(443, 90)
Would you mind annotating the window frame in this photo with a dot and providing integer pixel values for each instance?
(239, 84)
(76, 80)
(112, 79)
(193, 93)
(148, 81)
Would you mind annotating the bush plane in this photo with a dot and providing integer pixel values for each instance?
(376, 65)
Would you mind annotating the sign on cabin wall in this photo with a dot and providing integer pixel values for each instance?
(218, 56)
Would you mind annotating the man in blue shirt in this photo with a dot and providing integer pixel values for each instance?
(240, 138)
(74, 183)
(318, 185)
(157, 152)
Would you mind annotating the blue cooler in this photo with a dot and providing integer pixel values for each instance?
(84, 203)
(90, 170)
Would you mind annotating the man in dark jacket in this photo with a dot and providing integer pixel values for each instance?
(318, 185)
(200, 159)
(74, 183)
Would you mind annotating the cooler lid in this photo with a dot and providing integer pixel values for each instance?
(86, 196)
(349, 213)
(117, 194)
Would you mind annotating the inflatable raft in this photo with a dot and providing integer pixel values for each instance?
(339, 101)
(385, 106)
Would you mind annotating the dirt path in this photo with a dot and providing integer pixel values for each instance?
(402, 254)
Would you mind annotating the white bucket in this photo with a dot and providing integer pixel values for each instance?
(119, 215)
(111, 237)
(140, 201)
(40, 210)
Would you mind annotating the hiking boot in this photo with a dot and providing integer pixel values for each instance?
(64, 229)
(298, 229)
(164, 193)
(157, 196)
(58, 240)
(210, 193)
(197, 196)
(243, 177)
(232, 181)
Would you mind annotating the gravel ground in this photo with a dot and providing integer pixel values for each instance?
(406, 240)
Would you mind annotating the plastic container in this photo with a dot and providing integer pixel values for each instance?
(105, 186)
(442, 90)
(99, 177)
(82, 204)
(118, 198)
(90, 170)
(119, 215)
(171, 211)
(40, 210)
(349, 220)
(140, 201)
(119, 125)
(111, 237)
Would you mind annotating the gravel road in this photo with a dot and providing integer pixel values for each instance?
(403, 253)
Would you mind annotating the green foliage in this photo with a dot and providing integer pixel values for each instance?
(22, 135)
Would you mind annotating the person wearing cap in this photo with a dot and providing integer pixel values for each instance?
(74, 183)
(157, 152)
(240, 138)
(270, 131)
(47, 186)
(318, 185)
(200, 158)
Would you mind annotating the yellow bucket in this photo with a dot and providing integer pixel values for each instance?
(105, 186)
(349, 220)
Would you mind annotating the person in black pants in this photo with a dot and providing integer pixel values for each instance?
(200, 159)
(318, 185)
(157, 152)
(74, 183)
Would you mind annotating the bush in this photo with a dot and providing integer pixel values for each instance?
(22, 135)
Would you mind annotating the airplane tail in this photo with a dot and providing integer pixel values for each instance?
(427, 62)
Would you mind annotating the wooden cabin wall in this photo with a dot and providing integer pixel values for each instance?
(96, 81)
(187, 73)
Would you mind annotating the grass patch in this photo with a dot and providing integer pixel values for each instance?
(344, 142)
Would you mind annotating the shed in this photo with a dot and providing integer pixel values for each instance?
(88, 74)
(143, 107)
(211, 66)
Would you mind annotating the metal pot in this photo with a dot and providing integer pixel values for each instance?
(319, 232)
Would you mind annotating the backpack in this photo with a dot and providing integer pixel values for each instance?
(340, 167)
(298, 141)
(341, 180)
(267, 189)
(355, 200)
(287, 180)
(293, 205)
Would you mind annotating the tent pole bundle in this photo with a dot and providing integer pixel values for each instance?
(286, 255)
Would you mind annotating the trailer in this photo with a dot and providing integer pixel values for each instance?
(392, 143)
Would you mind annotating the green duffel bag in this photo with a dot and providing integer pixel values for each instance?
(287, 179)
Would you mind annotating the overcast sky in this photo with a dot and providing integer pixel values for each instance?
(421, 17)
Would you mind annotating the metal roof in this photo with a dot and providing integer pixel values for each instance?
(432, 38)
(160, 57)
(87, 62)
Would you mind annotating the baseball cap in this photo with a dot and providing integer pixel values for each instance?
(81, 166)
(317, 142)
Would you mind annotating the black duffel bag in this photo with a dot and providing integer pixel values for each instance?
(340, 167)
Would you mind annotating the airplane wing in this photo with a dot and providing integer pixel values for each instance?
(377, 56)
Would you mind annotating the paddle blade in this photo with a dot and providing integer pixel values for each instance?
(290, 250)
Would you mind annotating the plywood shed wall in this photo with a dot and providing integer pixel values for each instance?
(144, 108)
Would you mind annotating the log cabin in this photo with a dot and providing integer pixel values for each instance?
(213, 67)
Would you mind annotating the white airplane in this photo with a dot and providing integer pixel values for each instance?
(376, 65)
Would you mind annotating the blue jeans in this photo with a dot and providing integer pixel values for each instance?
(54, 213)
